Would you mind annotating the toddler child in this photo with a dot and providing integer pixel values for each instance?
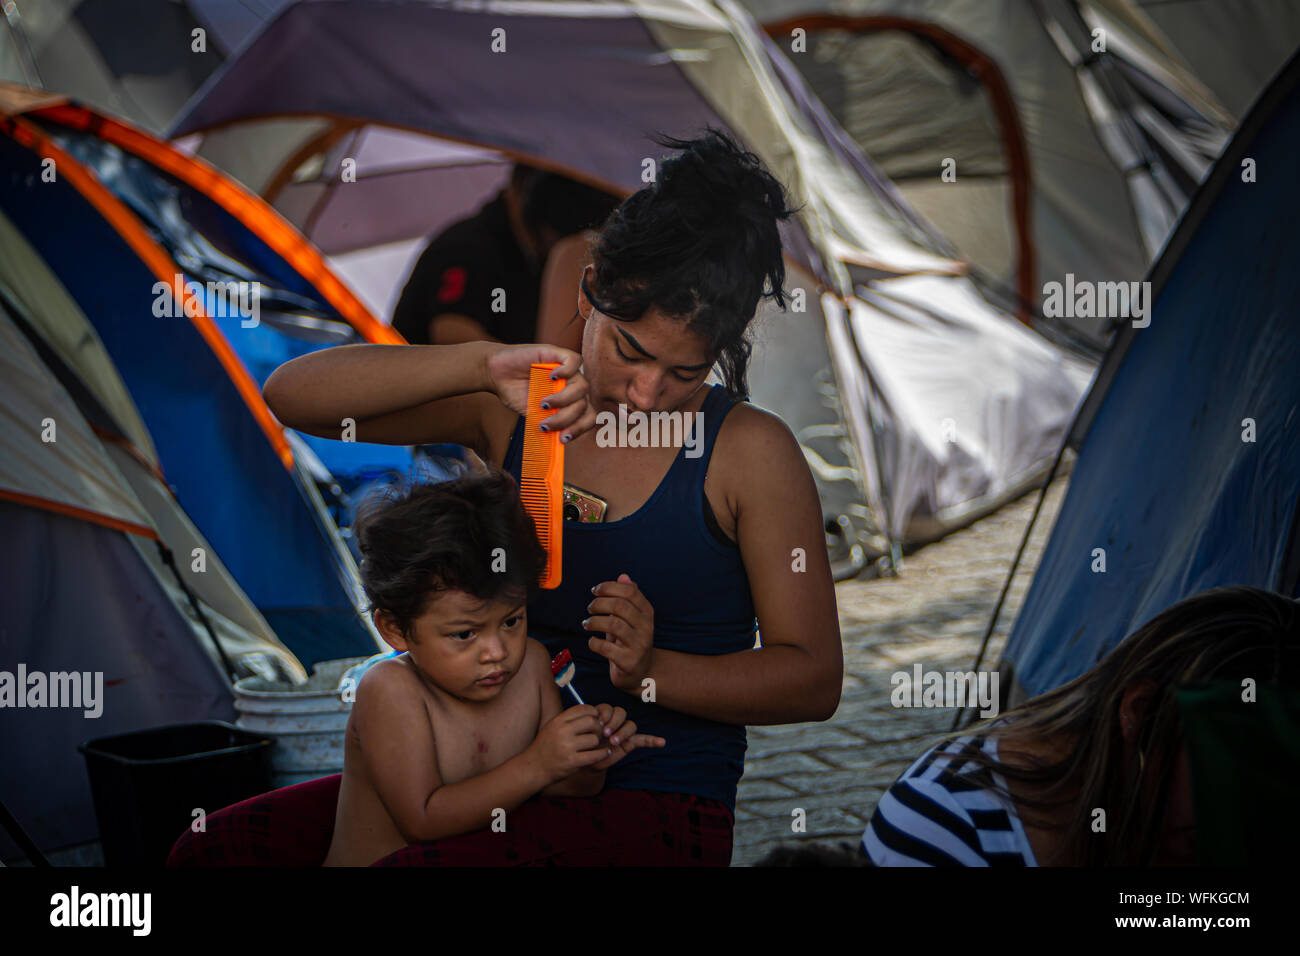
(467, 721)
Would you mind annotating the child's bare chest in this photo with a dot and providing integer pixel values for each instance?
(477, 738)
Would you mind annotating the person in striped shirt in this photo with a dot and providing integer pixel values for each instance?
(947, 810)
(1032, 787)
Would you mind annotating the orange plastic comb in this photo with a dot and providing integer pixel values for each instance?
(541, 479)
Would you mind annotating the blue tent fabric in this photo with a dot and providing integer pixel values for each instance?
(195, 229)
(220, 465)
(1168, 482)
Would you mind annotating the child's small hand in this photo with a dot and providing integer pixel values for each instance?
(570, 741)
(620, 733)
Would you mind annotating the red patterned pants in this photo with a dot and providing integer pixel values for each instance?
(293, 827)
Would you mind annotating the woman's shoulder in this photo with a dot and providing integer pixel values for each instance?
(752, 435)
(756, 454)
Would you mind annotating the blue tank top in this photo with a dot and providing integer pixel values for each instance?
(700, 594)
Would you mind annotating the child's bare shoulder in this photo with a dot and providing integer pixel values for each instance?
(537, 660)
(387, 684)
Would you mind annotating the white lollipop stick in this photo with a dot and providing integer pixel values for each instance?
(564, 679)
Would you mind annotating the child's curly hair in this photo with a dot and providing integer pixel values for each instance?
(419, 539)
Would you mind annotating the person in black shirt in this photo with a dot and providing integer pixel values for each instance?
(480, 278)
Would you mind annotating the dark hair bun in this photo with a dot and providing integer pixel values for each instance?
(716, 181)
(701, 243)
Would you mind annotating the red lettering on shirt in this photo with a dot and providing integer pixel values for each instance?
(452, 286)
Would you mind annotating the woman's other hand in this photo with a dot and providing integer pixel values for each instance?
(622, 612)
(507, 369)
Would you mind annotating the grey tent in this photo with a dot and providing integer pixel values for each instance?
(104, 573)
(140, 59)
(1043, 139)
(1235, 48)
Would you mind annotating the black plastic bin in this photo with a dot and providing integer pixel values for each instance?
(146, 784)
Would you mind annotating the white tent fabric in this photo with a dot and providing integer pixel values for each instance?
(51, 453)
(849, 223)
(973, 399)
(25, 274)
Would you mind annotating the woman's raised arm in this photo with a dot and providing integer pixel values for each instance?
(468, 393)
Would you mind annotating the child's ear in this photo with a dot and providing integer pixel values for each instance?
(389, 630)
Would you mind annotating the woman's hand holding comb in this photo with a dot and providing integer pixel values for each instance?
(506, 370)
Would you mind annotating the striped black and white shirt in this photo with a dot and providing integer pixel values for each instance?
(942, 812)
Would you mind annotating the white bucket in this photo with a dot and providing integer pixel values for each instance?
(306, 720)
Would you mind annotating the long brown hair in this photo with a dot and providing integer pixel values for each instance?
(1227, 633)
